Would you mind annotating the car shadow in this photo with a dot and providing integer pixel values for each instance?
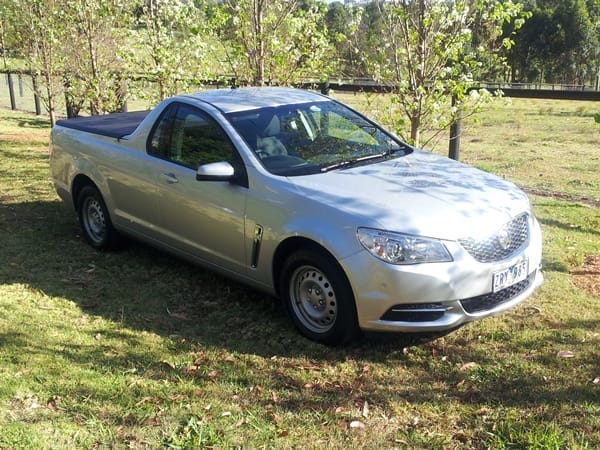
(144, 288)
(150, 291)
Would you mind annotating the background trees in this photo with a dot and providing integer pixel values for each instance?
(426, 51)
(559, 44)
(168, 42)
(430, 51)
(273, 41)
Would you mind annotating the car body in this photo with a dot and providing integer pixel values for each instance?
(297, 195)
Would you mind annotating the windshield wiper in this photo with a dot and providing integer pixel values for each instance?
(346, 163)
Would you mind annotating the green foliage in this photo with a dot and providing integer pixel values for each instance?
(559, 44)
(92, 38)
(96, 54)
(274, 42)
(170, 44)
(427, 55)
(136, 349)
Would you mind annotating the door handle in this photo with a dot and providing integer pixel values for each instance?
(169, 178)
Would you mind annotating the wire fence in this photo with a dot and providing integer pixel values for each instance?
(17, 91)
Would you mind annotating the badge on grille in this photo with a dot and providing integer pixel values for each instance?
(504, 239)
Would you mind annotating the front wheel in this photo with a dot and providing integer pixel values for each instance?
(318, 297)
(94, 219)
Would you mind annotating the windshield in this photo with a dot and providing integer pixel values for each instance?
(313, 137)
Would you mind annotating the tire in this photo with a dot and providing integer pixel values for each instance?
(95, 220)
(318, 297)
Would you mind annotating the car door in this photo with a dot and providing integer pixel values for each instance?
(204, 219)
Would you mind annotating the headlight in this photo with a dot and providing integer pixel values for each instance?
(397, 248)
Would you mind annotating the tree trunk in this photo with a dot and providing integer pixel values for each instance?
(415, 129)
(259, 17)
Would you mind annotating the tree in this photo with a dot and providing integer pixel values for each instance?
(273, 41)
(559, 44)
(427, 55)
(36, 27)
(92, 34)
(343, 24)
(170, 44)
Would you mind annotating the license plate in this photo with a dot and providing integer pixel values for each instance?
(512, 275)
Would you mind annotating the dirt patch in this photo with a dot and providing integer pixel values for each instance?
(588, 277)
(590, 201)
(25, 137)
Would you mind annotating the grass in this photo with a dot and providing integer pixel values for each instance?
(136, 349)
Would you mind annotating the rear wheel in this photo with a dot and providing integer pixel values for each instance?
(318, 297)
(94, 219)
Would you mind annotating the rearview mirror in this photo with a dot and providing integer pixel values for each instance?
(218, 171)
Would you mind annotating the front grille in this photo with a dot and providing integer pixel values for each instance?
(489, 301)
(501, 244)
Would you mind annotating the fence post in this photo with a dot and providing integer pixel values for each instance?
(11, 91)
(455, 128)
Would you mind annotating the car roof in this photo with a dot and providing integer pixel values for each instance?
(249, 98)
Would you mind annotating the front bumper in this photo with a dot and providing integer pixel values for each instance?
(438, 296)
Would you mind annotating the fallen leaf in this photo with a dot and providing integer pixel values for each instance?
(275, 397)
(52, 402)
(565, 354)
(365, 409)
(468, 366)
(191, 369)
(146, 400)
(151, 421)
(309, 386)
(180, 316)
(213, 373)
(167, 363)
(240, 422)
(357, 424)
(177, 315)
(225, 413)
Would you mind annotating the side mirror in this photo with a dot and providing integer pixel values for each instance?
(218, 171)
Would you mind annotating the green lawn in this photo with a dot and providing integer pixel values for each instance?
(136, 349)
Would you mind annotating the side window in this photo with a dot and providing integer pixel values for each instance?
(189, 137)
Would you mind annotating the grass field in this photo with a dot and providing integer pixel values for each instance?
(136, 349)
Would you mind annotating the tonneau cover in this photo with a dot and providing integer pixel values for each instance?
(114, 125)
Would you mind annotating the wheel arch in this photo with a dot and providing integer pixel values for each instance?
(79, 182)
(291, 245)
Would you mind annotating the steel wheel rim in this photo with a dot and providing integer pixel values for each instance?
(313, 299)
(94, 220)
